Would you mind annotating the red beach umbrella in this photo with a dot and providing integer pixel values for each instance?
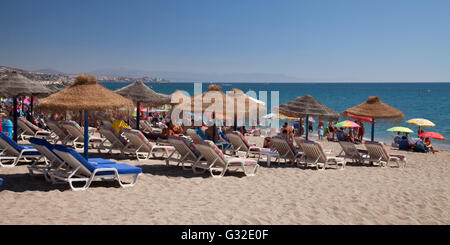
(365, 119)
(432, 135)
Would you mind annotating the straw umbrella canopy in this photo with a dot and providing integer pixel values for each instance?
(13, 85)
(214, 100)
(307, 106)
(140, 93)
(85, 94)
(179, 97)
(375, 108)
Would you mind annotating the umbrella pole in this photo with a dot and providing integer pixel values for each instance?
(300, 128)
(373, 129)
(138, 114)
(306, 126)
(15, 119)
(31, 106)
(86, 134)
(214, 127)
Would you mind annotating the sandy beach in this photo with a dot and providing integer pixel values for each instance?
(278, 195)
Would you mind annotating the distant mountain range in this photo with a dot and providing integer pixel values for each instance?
(196, 76)
(128, 74)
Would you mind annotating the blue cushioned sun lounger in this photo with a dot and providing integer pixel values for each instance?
(52, 160)
(82, 170)
(11, 151)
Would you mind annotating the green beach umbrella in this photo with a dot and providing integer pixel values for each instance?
(400, 129)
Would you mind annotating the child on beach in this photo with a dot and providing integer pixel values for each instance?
(320, 130)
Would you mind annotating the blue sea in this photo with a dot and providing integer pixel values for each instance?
(416, 100)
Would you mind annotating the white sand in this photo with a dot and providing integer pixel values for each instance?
(418, 194)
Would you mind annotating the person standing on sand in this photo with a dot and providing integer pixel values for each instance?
(320, 130)
(420, 131)
(331, 129)
(361, 131)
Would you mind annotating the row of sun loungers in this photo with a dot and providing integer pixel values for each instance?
(195, 153)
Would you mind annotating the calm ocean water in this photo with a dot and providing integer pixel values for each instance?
(416, 100)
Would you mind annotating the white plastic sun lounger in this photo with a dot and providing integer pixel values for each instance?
(11, 151)
(117, 142)
(186, 150)
(240, 143)
(287, 151)
(61, 135)
(378, 154)
(86, 172)
(142, 147)
(217, 161)
(349, 151)
(77, 134)
(315, 156)
(29, 130)
(54, 164)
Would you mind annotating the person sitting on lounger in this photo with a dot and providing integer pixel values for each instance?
(290, 131)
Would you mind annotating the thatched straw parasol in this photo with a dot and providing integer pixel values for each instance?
(375, 108)
(14, 85)
(179, 97)
(140, 93)
(85, 94)
(214, 100)
(307, 106)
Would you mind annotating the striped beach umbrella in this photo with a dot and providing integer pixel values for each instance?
(421, 122)
(347, 124)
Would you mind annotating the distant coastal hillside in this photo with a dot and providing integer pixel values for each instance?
(50, 76)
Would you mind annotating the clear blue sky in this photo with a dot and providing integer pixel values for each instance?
(376, 40)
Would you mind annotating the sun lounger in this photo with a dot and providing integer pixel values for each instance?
(77, 134)
(349, 151)
(240, 143)
(199, 135)
(12, 151)
(378, 154)
(217, 161)
(300, 140)
(52, 161)
(142, 147)
(315, 156)
(82, 170)
(287, 150)
(196, 134)
(61, 133)
(29, 130)
(185, 149)
(114, 138)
